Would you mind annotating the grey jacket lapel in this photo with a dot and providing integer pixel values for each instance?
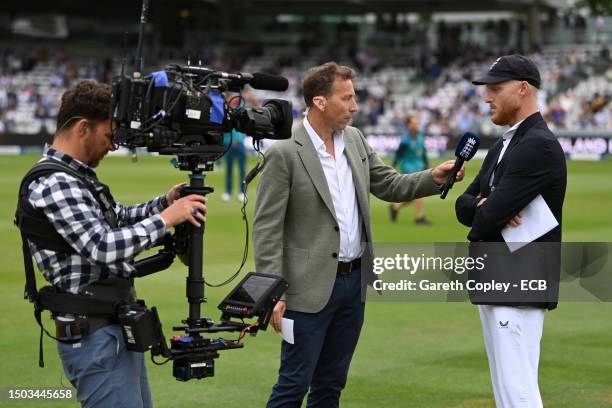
(356, 162)
(310, 160)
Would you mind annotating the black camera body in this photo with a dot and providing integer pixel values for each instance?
(182, 111)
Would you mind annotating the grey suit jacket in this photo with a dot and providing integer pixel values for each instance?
(295, 231)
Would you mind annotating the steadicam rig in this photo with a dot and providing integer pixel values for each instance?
(184, 111)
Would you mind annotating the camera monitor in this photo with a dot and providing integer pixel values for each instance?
(255, 295)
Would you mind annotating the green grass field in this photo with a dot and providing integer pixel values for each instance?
(410, 355)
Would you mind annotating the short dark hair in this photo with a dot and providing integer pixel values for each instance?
(88, 99)
(320, 79)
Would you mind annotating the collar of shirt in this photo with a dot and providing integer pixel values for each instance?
(70, 161)
(318, 142)
(507, 136)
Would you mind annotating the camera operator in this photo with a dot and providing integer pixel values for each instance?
(104, 244)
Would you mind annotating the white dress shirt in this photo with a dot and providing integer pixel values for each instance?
(507, 136)
(342, 189)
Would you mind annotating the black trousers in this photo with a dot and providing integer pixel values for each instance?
(323, 348)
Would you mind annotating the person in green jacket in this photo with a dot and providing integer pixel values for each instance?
(411, 157)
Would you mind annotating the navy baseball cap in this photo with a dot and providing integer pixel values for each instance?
(511, 67)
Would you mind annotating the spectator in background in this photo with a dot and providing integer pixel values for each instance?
(236, 152)
(411, 157)
(41, 112)
(557, 116)
(465, 119)
(433, 69)
(234, 141)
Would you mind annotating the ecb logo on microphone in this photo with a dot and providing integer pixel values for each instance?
(467, 149)
(503, 325)
(495, 63)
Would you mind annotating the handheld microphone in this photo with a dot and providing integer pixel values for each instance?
(466, 149)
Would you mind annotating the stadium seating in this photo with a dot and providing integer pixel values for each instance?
(576, 92)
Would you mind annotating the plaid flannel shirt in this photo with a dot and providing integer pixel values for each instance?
(101, 251)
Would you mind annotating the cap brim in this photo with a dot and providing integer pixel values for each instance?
(490, 79)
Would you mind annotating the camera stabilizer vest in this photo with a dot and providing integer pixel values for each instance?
(35, 226)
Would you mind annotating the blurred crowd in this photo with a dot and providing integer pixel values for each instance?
(32, 83)
(576, 90)
(576, 94)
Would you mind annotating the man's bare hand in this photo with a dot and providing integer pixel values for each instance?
(174, 193)
(441, 172)
(481, 202)
(516, 220)
(277, 315)
(190, 208)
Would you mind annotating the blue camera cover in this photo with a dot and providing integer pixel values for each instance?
(160, 79)
(216, 110)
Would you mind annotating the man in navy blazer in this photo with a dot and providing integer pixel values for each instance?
(526, 162)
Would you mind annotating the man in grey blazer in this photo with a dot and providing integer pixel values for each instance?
(312, 226)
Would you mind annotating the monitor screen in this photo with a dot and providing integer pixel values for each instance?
(252, 289)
